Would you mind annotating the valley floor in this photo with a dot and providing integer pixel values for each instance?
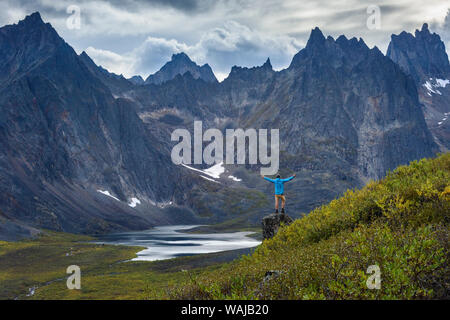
(36, 269)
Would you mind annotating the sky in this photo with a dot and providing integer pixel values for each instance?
(132, 37)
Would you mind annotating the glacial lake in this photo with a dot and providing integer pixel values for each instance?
(166, 242)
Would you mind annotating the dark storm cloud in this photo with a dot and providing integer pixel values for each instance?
(57, 10)
(188, 6)
(133, 36)
(184, 5)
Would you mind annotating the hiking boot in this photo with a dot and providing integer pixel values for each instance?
(282, 210)
(276, 211)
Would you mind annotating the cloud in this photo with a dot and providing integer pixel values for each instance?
(241, 45)
(153, 53)
(10, 14)
(113, 62)
(232, 42)
(222, 33)
(443, 29)
(182, 5)
(144, 60)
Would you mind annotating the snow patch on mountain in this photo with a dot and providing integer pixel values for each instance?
(106, 193)
(209, 179)
(234, 178)
(442, 83)
(444, 119)
(433, 84)
(134, 202)
(214, 172)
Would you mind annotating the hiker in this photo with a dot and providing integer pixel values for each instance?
(279, 190)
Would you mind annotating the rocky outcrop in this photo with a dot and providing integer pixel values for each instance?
(272, 222)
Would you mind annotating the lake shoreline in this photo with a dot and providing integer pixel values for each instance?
(41, 266)
(168, 242)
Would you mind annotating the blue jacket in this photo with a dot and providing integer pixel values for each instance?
(279, 184)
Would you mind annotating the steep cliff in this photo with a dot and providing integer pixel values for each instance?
(423, 56)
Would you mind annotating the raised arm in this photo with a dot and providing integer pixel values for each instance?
(268, 179)
(288, 179)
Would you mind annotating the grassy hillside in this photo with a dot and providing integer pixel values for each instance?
(400, 224)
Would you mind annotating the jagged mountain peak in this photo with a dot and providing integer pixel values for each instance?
(179, 64)
(33, 24)
(207, 68)
(26, 45)
(333, 51)
(136, 80)
(421, 55)
(84, 55)
(341, 39)
(424, 28)
(316, 35)
(352, 43)
(246, 73)
(34, 18)
(425, 32)
(315, 38)
(181, 57)
(267, 64)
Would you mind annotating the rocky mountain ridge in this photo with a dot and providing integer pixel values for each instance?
(179, 65)
(423, 57)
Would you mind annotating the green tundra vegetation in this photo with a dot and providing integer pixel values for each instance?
(400, 224)
(36, 269)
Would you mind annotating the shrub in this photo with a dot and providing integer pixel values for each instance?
(399, 223)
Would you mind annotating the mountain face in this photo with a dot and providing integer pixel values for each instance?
(339, 104)
(179, 65)
(116, 83)
(83, 150)
(64, 137)
(137, 80)
(423, 57)
(346, 114)
(341, 100)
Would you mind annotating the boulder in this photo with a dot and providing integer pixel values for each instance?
(272, 222)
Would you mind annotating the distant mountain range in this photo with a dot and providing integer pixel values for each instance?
(87, 151)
